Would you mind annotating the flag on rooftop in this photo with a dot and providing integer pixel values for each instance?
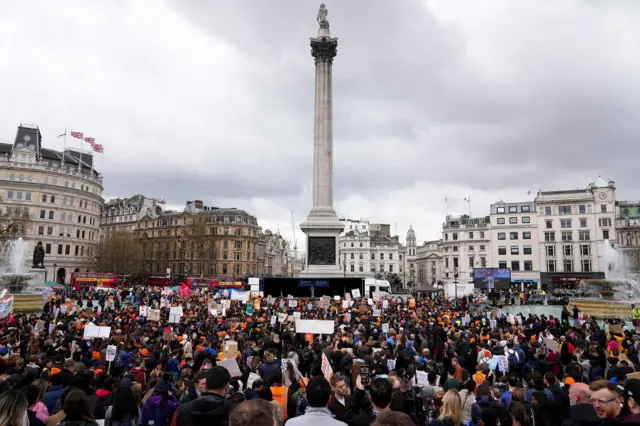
(78, 135)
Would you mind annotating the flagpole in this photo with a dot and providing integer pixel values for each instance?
(446, 205)
(64, 148)
(469, 202)
(80, 162)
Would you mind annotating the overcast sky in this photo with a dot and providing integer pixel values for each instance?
(213, 99)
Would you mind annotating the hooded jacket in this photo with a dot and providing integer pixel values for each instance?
(208, 410)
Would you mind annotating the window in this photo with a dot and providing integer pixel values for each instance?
(547, 211)
(526, 219)
(568, 265)
(526, 235)
(446, 262)
(566, 235)
(390, 256)
(551, 266)
(567, 250)
(471, 262)
(361, 269)
(446, 237)
(361, 257)
(77, 233)
(10, 195)
(502, 250)
(19, 195)
(500, 210)
(352, 244)
(43, 214)
(605, 234)
(76, 251)
(585, 250)
(50, 230)
(603, 221)
(582, 209)
(500, 221)
(528, 265)
(455, 236)
(515, 265)
(224, 268)
(525, 209)
(391, 268)
(471, 235)
(481, 248)
(502, 236)
(353, 256)
(549, 236)
(603, 208)
(513, 209)
(353, 268)
(583, 236)
(513, 235)
(455, 262)
(47, 248)
(382, 267)
(502, 264)
(549, 224)
(455, 248)
(28, 196)
(515, 249)
(373, 256)
(564, 209)
(513, 220)
(550, 250)
(51, 214)
(565, 223)
(12, 177)
(53, 199)
(59, 248)
(41, 230)
(481, 234)
(381, 256)
(586, 265)
(583, 222)
(527, 250)
(471, 248)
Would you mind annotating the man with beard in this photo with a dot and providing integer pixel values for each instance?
(606, 399)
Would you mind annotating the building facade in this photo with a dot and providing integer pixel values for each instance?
(200, 241)
(123, 213)
(62, 195)
(367, 249)
(409, 272)
(514, 241)
(573, 226)
(277, 255)
(466, 244)
(429, 263)
(628, 234)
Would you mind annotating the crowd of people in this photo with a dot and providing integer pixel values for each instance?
(430, 360)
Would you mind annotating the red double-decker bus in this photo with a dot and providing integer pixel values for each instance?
(159, 281)
(94, 279)
(218, 283)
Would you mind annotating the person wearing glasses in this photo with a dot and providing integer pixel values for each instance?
(606, 399)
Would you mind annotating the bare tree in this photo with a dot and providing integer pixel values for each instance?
(120, 252)
(200, 242)
(14, 223)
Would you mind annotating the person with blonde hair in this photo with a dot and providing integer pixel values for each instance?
(451, 410)
(13, 409)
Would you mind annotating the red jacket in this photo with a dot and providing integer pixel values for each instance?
(140, 377)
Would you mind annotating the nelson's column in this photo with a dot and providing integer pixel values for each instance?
(322, 226)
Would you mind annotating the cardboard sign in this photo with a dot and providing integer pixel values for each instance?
(111, 353)
(230, 349)
(355, 293)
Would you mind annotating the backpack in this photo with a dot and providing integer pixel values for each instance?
(128, 422)
(155, 416)
(513, 358)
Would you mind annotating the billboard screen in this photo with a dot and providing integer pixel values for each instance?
(492, 278)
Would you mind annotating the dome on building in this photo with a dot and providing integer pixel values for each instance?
(411, 233)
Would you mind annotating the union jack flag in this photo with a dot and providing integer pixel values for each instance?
(78, 135)
(90, 141)
(97, 147)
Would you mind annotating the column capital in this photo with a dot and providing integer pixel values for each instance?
(324, 48)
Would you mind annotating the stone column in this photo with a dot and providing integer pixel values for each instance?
(323, 49)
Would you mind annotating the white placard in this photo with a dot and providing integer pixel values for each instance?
(252, 378)
(336, 298)
(391, 364)
(503, 363)
(370, 301)
(273, 320)
(143, 311)
(111, 353)
(153, 315)
(315, 326)
(355, 293)
(293, 303)
(345, 304)
(385, 328)
(282, 317)
(232, 367)
(376, 312)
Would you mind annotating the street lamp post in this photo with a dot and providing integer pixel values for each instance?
(455, 281)
(55, 273)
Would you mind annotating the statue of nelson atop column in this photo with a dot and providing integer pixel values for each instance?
(322, 17)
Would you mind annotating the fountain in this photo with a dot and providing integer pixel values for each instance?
(613, 296)
(24, 283)
(14, 278)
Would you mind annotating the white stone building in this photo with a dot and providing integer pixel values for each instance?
(514, 241)
(429, 263)
(62, 194)
(573, 226)
(367, 249)
(409, 272)
(628, 233)
(466, 244)
(123, 213)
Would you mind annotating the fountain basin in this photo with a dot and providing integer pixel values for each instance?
(601, 308)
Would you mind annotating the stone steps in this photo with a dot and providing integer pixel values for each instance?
(601, 308)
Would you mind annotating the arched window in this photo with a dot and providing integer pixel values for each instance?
(53, 198)
(51, 214)
(44, 198)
